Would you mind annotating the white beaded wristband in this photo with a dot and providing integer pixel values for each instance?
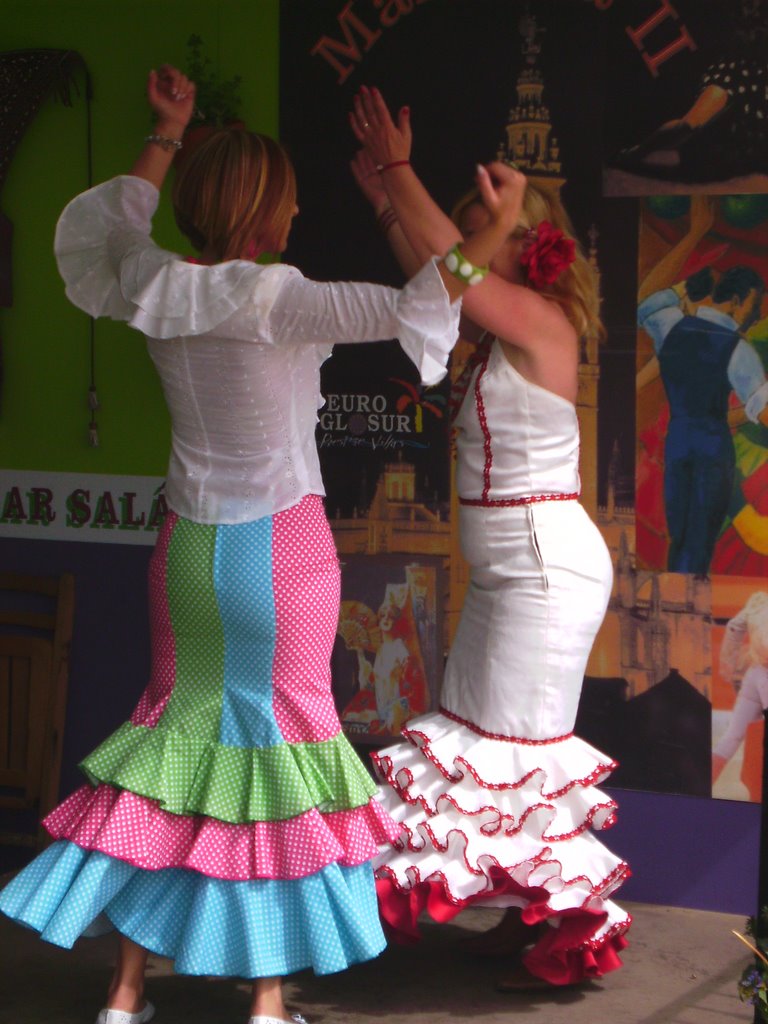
(164, 142)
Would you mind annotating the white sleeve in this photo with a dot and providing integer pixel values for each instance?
(658, 314)
(124, 205)
(111, 267)
(733, 647)
(748, 708)
(420, 316)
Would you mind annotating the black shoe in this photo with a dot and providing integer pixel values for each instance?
(667, 137)
(707, 153)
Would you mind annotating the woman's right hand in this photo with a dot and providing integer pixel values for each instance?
(374, 128)
(171, 96)
(502, 189)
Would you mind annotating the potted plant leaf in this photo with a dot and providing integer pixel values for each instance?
(217, 102)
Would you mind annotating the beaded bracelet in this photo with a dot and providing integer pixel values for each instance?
(164, 142)
(462, 269)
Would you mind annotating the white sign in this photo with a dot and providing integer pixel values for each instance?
(81, 506)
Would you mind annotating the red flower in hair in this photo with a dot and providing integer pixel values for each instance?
(548, 255)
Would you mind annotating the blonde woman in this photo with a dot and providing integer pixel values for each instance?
(228, 825)
(494, 793)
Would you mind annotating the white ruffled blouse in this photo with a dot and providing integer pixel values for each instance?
(238, 347)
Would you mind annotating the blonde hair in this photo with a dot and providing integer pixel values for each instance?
(236, 189)
(575, 290)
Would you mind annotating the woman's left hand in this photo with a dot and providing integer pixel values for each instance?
(374, 128)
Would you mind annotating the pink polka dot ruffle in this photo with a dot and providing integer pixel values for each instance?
(134, 829)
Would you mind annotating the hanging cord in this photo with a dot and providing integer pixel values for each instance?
(93, 398)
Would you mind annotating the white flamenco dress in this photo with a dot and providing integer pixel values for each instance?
(495, 796)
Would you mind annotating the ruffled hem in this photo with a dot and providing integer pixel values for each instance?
(548, 768)
(582, 942)
(132, 828)
(507, 823)
(186, 775)
(468, 862)
(260, 928)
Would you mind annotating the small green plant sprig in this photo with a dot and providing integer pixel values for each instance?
(217, 102)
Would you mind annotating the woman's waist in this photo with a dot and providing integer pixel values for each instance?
(489, 501)
(534, 537)
(208, 497)
(525, 489)
(492, 477)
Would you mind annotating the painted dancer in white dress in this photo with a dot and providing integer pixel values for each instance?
(744, 663)
(494, 793)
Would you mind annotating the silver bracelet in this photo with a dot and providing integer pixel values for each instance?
(164, 142)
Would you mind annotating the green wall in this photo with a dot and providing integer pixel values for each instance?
(43, 407)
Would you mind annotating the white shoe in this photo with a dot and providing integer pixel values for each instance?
(107, 1016)
(262, 1019)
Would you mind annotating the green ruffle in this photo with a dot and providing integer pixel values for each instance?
(188, 775)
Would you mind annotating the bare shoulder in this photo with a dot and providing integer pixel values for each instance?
(552, 364)
(518, 315)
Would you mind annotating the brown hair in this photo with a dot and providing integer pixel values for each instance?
(575, 290)
(237, 188)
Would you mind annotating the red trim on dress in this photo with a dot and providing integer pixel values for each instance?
(530, 499)
(499, 736)
(480, 403)
(601, 771)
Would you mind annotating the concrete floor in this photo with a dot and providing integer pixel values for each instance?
(681, 968)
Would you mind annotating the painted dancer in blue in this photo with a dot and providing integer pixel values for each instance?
(701, 358)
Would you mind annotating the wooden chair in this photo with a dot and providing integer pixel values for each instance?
(36, 614)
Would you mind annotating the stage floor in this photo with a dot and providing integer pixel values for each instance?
(681, 968)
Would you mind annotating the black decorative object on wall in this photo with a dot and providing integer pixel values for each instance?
(27, 79)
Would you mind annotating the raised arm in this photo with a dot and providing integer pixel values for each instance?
(426, 227)
(502, 305)
(368, 178)
(171, 96)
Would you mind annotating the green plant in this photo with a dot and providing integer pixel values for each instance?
(753, 984)
(217, 101)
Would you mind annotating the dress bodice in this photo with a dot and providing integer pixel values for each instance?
(515, 439)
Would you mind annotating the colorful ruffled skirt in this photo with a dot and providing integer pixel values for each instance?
(495, 796)
(228, 825)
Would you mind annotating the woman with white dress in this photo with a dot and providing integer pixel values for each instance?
(495, 795)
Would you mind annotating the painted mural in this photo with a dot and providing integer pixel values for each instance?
(650, 117)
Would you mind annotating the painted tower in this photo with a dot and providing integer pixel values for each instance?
(529, 142)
